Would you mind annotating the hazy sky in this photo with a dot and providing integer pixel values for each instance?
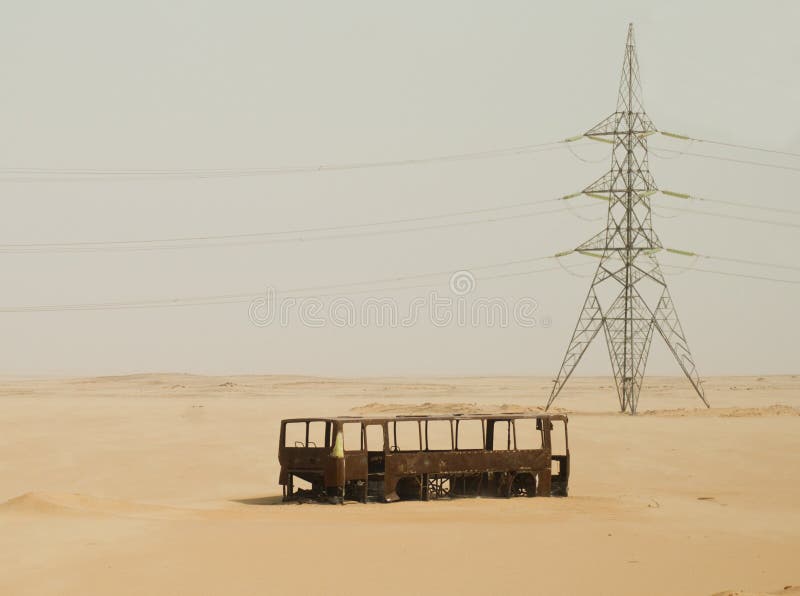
(172, 85)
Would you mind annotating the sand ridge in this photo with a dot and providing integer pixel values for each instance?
(787, 590)
(771, 410)
(43, 503)
(389, 408)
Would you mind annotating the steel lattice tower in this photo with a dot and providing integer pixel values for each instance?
(628, 279)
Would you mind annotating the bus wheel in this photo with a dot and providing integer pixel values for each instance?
(439, 487)
(523, 485)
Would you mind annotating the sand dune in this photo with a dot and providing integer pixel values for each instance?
(377, 408)
(40, 503)
(167, 484)
(786, 590)
(773, 410)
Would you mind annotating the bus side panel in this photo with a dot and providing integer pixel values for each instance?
(415, 463)
(303, 462)
(355, 465)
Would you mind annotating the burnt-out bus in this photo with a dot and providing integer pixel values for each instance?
(423, 457)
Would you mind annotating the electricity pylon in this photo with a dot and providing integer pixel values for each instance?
(628, 279)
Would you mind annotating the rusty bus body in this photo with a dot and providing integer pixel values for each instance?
(411, 457)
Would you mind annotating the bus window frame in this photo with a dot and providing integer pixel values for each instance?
(394, 436)
(427, 439)
(483, 434)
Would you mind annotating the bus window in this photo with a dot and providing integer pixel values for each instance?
(438, 435)
(352, 436)
(404, 435)
(558, 438)
(316, 434)
(469, 434)
(295, 434)
(527, 434)
(503, 439)
(374, 435)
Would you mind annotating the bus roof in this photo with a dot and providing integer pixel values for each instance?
(419, 417)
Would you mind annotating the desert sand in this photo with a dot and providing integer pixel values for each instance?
(167, 484)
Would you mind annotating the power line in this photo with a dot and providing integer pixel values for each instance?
(314, 290)
(295, 292)
(726, 144)
(685, 196)
(786, 224)
(395, 279)
(732, 159)
(78, 175)
(483, 278)
(687, 253)
(697, 256)
(694, 255)
(745, 275)
(679, 195)
(190, 242)
(749, 262)
(583, 159)
(38, 174)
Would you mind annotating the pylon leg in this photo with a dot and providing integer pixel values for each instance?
(666, 321)
(589, 323)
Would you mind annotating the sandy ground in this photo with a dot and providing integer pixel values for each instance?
(167, 484)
